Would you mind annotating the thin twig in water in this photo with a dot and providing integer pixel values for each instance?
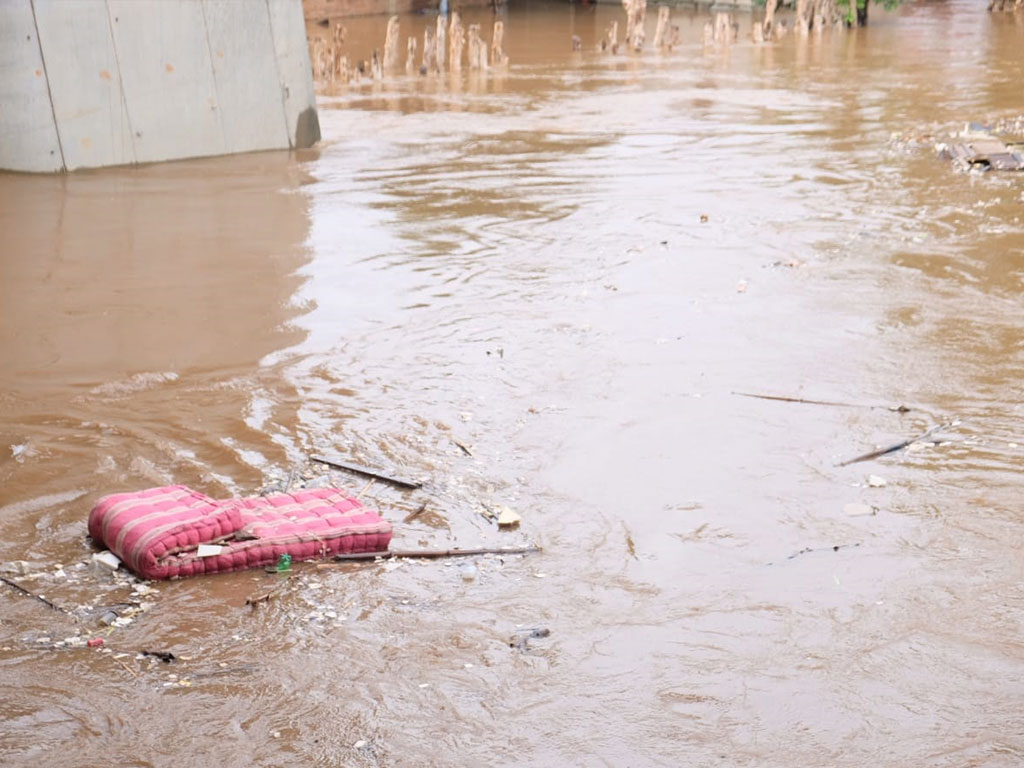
(365, 488)
(131, 671)
(630, 544)
(413, 515)
(366, 471)
(808, 550)
(833, 548)
(784, 399)
(896, 447)
(15, 585)
(430, 554)
(465, 449)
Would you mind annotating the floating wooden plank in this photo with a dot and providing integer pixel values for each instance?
(360, 470)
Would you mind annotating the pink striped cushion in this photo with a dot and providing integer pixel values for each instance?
(156, 532)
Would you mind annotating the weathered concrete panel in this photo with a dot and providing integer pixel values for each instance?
(85, 83)
(245, 72)
(167, 77)
(289, 30)
(28, 136)
(112, 82)
(319, 9)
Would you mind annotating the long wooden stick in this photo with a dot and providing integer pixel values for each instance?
(434, 553)
(15, 585)
(128, 669)
(893, 448)
(784, 399)
(366, 471)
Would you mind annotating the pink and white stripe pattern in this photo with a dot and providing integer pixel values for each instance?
(157, 532)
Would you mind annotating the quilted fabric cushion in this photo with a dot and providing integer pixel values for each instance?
(157, 532)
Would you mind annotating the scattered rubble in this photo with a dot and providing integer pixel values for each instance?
(859, 510)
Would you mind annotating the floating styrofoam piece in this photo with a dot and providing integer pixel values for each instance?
(858, 510)
(107, 560)
(508, 518)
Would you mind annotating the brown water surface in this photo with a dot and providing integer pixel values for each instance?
(517, 261)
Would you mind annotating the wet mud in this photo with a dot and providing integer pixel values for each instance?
(541, 288)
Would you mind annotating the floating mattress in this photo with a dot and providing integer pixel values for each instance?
(157, 533)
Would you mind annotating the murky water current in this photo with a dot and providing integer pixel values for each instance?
(520, 262)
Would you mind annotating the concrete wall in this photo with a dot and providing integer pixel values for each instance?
(323, 9)
(89, 83)
(714, 5)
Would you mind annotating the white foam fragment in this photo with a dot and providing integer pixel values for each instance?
(107, 560)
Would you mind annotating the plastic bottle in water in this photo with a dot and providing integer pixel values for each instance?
(285, 563)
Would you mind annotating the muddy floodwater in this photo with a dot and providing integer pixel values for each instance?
(571, 268)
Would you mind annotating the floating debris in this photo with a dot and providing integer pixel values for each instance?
(431, 554)
(858, 510)
(807, 401)
(164, 656)
(360, 470)
(413, 515)
(809, 550)
(521, 640)
(16, 567)
(909, 444)
(508, 518)
(979, 148)
(15, 585)
(107, 560)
